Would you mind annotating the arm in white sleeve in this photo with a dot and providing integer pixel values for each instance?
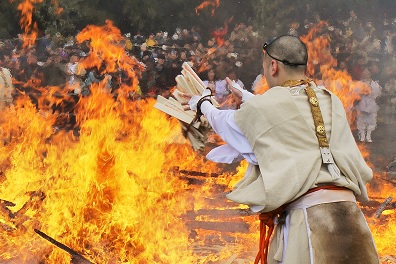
(223, 123)
(245, 94)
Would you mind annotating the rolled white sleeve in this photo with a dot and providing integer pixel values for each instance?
(223, 123)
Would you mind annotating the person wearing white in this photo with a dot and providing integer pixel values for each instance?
(228, 102)
(75, 71)
(219, 90)
(367, 108)
(275, 133)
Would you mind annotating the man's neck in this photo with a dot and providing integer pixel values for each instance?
(293, 77)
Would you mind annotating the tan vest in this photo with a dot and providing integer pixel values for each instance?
(279, 127)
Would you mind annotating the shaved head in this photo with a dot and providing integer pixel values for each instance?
(285, 58)
(289, 50)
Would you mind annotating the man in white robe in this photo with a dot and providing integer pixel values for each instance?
(367, 108)
(275, 132)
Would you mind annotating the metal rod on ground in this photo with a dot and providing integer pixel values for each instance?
(383, 206)
(77, 258)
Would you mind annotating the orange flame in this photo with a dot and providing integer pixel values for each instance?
(108, 55)
(30, 28)
(58, 9)
(383, 226)
(262, 86)
(96, 194)
(220, 33)
(212, 4)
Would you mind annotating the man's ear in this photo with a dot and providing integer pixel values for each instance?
(274, 67)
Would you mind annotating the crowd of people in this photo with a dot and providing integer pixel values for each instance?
(364, 48)
(223, 53)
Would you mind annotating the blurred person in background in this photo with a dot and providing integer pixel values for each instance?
(218, 89)
(228, 100)
(367, 108)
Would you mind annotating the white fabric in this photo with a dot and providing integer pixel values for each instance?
(367, 107)
(320, 197)
(218, 88)
(224, 154)
(221, 90)
(332, 167)
(223, 123)
(194, 99)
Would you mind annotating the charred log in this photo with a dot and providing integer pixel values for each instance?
(77, 258)
(6, 203)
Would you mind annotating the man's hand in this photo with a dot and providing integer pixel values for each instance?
(236, 91)
(240, 94)
(193, 99)
(235, 88)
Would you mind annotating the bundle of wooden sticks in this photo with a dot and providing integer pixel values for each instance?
(188, 82)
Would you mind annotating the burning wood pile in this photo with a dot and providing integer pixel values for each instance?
(194, 127)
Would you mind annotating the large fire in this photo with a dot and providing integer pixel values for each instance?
(123, 186)
(110, 193)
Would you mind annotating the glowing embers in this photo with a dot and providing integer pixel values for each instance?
(380, 212)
